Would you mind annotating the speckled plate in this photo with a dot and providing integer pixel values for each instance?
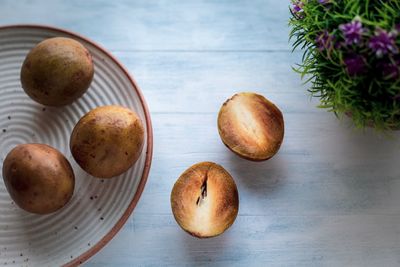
(98, 208)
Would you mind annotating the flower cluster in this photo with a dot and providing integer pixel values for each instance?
(354, 39)
(352, 31)
(352, 53)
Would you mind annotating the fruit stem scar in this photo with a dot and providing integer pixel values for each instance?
(203, 190)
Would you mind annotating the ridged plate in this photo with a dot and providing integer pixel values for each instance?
(98, 208)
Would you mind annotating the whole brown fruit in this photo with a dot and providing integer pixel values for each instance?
(205, 200)
(57, 71)
(251, 126)
(38, 177)
(107, 141)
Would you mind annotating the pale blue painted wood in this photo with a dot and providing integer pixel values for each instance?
(162, 25)
(331, 197)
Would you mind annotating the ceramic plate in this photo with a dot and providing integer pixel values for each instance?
(98, 208)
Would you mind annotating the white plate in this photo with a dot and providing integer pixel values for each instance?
(98, 208)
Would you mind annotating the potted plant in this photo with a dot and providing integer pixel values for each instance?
(351, 57)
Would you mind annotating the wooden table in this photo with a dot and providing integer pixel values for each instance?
(331, 197)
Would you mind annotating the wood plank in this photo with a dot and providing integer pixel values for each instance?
(163, 25)
(338, 171)
(331, 195)
(350, 240)
(201, 82)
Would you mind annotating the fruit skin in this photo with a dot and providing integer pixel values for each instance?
(38, 178)
(251, 126)
(205, 200)
(107, 141)
(57, 71)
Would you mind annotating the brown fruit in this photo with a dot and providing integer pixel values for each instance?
(107, 141)
(205, 200)
(251, 126)
(57, 71)
(38, 177)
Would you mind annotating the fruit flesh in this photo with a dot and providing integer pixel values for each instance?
(251, 126)
(205, 200)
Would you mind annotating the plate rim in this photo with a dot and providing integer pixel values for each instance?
(149, 150)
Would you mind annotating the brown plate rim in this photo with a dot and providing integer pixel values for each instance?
(149, 151)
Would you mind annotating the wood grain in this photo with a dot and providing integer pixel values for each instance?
(329, 198)
(163, 25)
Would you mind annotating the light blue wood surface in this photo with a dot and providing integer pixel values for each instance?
(331, 197)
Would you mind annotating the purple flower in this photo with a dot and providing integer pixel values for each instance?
(297, 9)
(352, 32)
(325, 41)
(383, 42)
(355, 64)
(323, 1)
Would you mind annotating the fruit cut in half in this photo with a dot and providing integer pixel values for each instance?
(251, 126)
(205, 200)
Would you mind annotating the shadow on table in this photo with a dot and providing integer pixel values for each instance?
(259, 177)
(208, 250)
(365, 173)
